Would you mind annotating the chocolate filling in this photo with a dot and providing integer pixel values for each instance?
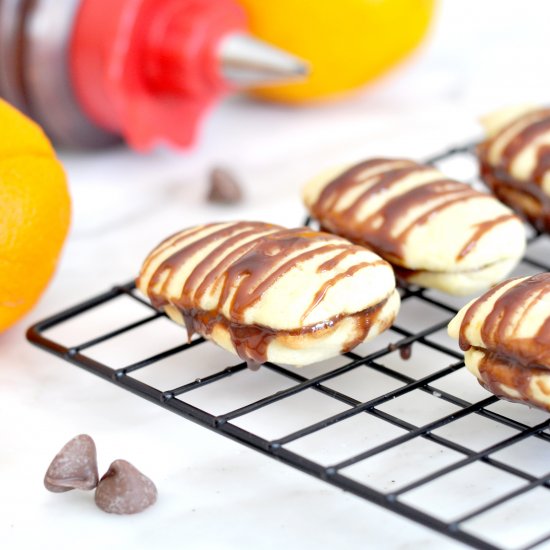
(497, 373)
(251, 341)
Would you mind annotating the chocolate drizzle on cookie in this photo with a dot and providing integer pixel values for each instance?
(480, 230)
(321, 293)
(524, 192)
(383, 230)
(241, 261)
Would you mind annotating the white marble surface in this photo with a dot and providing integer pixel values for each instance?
(214, 493)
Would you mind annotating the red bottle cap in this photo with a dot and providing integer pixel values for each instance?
(148, 69)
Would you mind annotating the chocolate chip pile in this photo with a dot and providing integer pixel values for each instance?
(123, 489)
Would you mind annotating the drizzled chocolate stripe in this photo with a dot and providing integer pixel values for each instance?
(497, 329)
(208, 271)
(334, 261)
(215, 276)
(351, 177)
(244, 260)
(524, 139)
(481, 229)
(173, 240)
(258, 269)
(320, 294)
(450, 191)
(471, 313)
(251, 341)
(385, 182)
(171, 264)
(542, 165)
(378, 230)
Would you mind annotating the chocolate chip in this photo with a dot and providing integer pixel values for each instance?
(74, 466)
(224, 188)
(124, 490)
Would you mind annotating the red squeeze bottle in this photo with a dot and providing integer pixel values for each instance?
(92, 71)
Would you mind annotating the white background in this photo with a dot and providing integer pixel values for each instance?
(214, 493)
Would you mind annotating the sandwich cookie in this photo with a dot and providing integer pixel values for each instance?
(267, 293)
(435, 231)
(505, 336)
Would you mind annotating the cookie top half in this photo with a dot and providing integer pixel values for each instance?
(414, 216)
(265, 274)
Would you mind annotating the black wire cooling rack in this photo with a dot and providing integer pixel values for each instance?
(463, 462)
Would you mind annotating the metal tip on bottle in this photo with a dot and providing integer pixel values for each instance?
(248, 62)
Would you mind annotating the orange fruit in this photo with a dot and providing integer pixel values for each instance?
(346, 42)
(34, 213)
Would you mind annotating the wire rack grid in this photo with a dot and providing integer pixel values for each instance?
(378, 406)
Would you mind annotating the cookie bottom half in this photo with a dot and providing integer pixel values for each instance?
(510, 380)
(302, 346)
(459, 283)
